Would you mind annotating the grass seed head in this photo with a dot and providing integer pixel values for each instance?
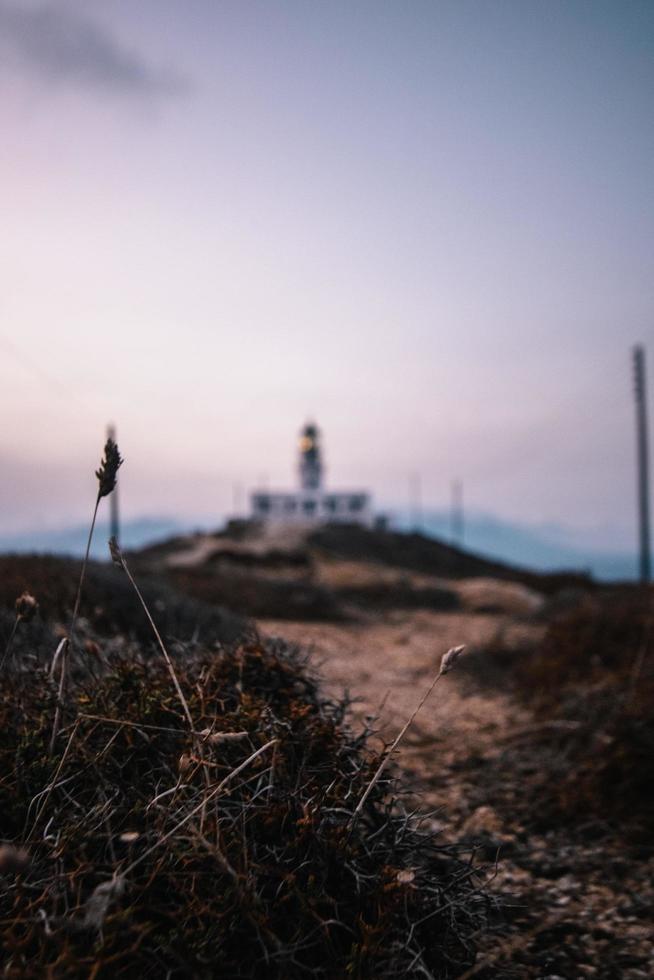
(450, 658)
(129, 836)
(108, 469)
(26, 606)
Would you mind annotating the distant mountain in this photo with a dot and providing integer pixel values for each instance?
(72, 540)
(542, 549)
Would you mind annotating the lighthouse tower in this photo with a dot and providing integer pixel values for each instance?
(311, 503)
(310, 458)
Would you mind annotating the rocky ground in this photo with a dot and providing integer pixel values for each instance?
(574, 901)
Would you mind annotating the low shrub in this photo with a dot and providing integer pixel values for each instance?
(110, 605)
(130, 860)
(587, 758)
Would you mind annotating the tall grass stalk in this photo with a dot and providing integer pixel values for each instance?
(26, 607)
(106, 475)
(447, 663)
(118, 559)
(10, 641)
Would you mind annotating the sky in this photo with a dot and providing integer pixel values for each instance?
(427, 225)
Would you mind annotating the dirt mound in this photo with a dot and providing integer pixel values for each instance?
(499, 596)
(251, 594)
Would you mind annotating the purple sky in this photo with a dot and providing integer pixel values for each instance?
(427, 225)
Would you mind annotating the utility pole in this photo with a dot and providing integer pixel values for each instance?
(643, 462)
(237, 499)
(415, 501)
(456, 514)
(114, 521)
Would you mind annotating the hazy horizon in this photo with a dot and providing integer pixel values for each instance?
(536, 547)
(429, 226)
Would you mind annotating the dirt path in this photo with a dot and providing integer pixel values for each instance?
(387, 664)
(574, 908)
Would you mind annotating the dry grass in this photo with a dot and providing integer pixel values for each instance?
(137, 865)
(26, 607)
(590, 684)
(225, 824)
(111, 608)
(106, 475)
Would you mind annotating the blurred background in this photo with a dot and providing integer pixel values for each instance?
(429, 227)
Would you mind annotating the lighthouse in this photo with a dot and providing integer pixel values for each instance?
(311, 503)
(310, 458)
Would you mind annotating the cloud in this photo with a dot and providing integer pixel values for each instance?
(60, 45)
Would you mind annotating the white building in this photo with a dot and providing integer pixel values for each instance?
(311, 503)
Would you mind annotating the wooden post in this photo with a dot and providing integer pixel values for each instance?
(643, 463)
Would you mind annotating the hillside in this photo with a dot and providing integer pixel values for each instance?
(338, 573)
(498, 540)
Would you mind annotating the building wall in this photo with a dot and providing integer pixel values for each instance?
(317, 507)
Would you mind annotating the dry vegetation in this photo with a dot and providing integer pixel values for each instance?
(590, 686)
(205, 809)
(206, 813)
(146, 850)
